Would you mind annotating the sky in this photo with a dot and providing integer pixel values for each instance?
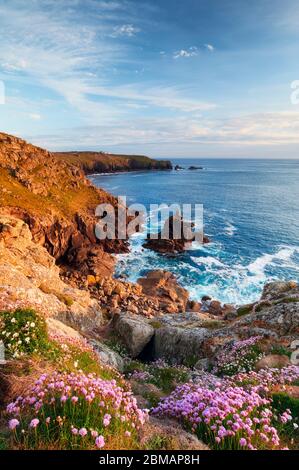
(189, 78)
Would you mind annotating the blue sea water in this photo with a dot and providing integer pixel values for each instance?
(251, 214)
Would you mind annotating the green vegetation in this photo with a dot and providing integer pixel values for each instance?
(64, 298)
(159, 442)
(244, 310)
(23, 332)
(61, 422)
(283, 403)
(280, 350)
(164, 376)
(92, 162)
(167, 378)
(213, 324)
(155, 324)
(287, 300)
(114, 343)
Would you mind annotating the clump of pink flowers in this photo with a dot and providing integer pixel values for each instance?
(265, 379)
(66, 342)
(140, 375)
(227, 418)
(234, 412)
(238, 356)
(74, 411)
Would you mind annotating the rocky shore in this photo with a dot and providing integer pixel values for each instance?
(150, 331)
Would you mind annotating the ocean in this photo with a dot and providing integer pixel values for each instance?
(251, 215)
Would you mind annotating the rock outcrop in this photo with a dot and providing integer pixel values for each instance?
(163, 286)
(190, 336)
(58, 203)
(197, 337)
(173, 238)
(29, 277)
(134, 332)
(170, 432)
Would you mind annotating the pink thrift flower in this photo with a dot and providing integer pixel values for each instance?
(243, 442)
(106, 420)
(83, 432)
(34, 423)
(100, 442)
(13, 423)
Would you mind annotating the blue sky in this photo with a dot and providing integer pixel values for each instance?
(206, 78)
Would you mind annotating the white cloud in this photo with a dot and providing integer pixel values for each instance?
(35, 116)
(263, 130)
(191, 52)
(125, 30)
(161, 96)
(110, 5)
(209, 47)
(14, 65)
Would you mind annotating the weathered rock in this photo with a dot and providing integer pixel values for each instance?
(107, 355)
(56, 327)
(179, 345)
(134, 331)
(163, 286)
(58, 203)
(172, 436)
(29, 277)
(278, 320)
(174, 238)
(273, 361)
(279, 289)
(215, 308)
(202, 364)
(146, 393)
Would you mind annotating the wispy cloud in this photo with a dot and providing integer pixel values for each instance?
(190, 52)
(210, 47)
(83, 57)
(125, 30)
(34, 116)
(157, 136)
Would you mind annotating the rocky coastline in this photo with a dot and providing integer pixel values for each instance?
(150, 331)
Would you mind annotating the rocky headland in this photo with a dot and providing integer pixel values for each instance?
(150, 338)
(101, 162)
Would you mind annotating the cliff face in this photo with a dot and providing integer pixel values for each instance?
(99, 162)
(57, 202)
(29, 278)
